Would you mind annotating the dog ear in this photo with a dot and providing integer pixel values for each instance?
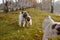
(53, 26)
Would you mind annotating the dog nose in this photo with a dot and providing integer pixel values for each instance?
(58, 33)
(58, 29)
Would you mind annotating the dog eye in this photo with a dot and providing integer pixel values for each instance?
(53, 26)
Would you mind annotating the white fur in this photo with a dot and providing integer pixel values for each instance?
(47, 21)
(30, 22)
(47, 28)
(22, 21)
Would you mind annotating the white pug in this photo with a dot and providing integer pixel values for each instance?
(24, 19)
(50, 28)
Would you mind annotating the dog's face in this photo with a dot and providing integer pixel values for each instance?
(25, 14)
(28, 18)
(56, 28)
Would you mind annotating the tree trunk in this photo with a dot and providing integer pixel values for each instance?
(52, 6)
(3, 4)
(6, 7)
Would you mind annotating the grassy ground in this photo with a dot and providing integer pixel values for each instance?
(9, 29)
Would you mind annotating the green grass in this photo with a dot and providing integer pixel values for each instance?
(10, 30)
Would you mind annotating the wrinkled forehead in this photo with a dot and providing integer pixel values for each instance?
(21, 12)
(25, 11)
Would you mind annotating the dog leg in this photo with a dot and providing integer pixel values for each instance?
(20, 24)
(30, 22)
(24, 23)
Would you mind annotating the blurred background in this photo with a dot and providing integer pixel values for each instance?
(37, 9)
(52, 6)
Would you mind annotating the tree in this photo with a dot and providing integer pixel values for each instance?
(3, 4)
(33, 2)
(52, 6)
(6, 7)
(51, 2)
